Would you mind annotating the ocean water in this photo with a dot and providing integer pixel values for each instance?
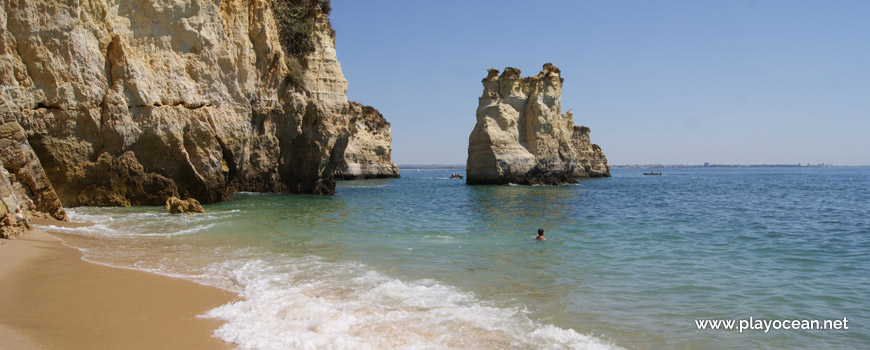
(425, 262)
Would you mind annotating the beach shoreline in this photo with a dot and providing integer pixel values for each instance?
(53, 299)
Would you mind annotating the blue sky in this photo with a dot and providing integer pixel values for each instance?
(674, 82)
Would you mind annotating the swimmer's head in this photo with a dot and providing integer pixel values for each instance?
(540, 232)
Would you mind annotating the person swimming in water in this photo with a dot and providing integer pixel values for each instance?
(540, 235)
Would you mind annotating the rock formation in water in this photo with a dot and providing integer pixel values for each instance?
(591, 158)
(175, 205)
(522, 137)
(367, 155)
(130, 102)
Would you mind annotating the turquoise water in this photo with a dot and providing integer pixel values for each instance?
(425, 262)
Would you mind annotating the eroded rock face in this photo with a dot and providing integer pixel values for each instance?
(591, 158)
(522, 137)
(25, 191)
(12, 219)
(175, 205)
(367, 155)
(129, 102)
(34, 192)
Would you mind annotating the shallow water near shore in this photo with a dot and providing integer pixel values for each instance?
(425, 262)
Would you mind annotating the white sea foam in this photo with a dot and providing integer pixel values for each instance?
(441, 237)
(93, 230)
(144, 224)
(319, 305)
(100, 230)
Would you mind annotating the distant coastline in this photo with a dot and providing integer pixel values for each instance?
(431, 166)
(707, 165)
(636, 166)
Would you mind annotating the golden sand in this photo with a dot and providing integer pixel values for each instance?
(52, 299)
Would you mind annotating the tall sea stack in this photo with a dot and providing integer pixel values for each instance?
(522, 137)
(130, 102)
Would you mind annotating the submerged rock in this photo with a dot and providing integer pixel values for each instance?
(130, 102)
(174, 205)
(522, 137)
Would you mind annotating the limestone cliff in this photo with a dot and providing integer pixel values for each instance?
(24, 189)
(129, 102)
(522, 137)
(367, 155)
(12, 219)
(591, 158)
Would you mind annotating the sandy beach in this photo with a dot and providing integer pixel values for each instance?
(52, 299)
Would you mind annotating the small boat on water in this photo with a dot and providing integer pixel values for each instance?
(456, 176)
(653, 173)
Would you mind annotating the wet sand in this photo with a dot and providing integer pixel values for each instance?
(52, 299)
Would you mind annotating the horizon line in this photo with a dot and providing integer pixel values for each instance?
(660, 165)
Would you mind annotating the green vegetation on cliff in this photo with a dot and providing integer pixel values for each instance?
(296, 21)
